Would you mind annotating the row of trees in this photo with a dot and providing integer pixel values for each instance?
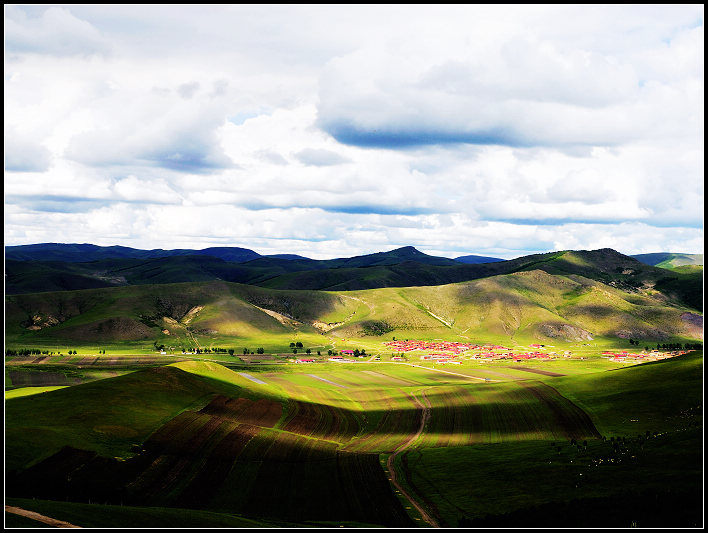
(27, 351)
(308, 351)
(37, 351)
(229, 351)
(671, 345)
(296, 347)
(677, 346)
(212, 350)
(357, 352)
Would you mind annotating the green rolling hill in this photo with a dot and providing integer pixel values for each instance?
(670, 260)
(522, 306)
(404, 267)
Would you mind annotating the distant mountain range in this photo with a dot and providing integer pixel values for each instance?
(59, 267)
(83, 253)
(89, 293)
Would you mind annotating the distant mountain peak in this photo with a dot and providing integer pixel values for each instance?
(406, 250)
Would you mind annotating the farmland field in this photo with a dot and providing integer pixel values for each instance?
(321, 439)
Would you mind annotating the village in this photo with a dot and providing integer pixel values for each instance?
(482, 353)
(643, 357)
(453, 353)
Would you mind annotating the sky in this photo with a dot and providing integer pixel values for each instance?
(333, 131)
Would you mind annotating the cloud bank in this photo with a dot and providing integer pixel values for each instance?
(340, 130)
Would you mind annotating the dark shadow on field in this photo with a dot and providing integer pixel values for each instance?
(227, 456)
(57, 372)
(39, 379)
(483, 412)
(259, 455)
(287, 484)
(644, 509)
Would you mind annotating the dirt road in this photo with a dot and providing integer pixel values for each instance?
(38, 517)
(389, 464)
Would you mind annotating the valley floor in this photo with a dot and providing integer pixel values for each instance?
(223, 442)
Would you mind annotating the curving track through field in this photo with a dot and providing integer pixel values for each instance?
(38, 517)
(426, 410)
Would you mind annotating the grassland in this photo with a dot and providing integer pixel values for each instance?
(640, 482)
(670, 260)
(514, 309)
(232, 441)
(29, 391)
(649, 461)
(249, 438)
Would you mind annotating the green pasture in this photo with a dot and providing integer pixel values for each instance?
(29, 391)
(61, 373)
(275, 343)
(654, 408)
(483, 482)
(108, 416)
(480, 434)
(334, 340)
(83, 415)
(656, 397)
(386, 396)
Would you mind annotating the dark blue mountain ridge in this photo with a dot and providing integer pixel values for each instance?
(477, 259)
(84, 253)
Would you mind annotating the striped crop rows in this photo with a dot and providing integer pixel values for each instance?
(306, 450)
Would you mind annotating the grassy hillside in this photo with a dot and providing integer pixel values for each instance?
(519, 308)
(107, 416)
(536, 305)
(655, 397)
(176, 314)
(404, 267)
(670, 260)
